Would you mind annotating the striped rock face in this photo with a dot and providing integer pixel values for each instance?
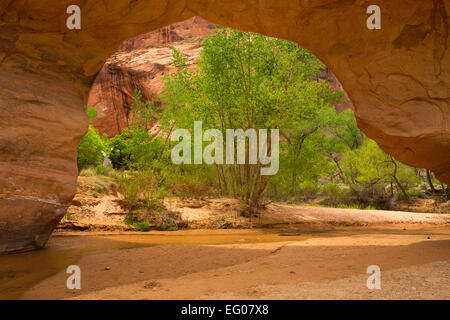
(398, 79)
(140, 63)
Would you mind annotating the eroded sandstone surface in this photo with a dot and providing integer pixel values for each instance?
(398, 79)
(139, 64)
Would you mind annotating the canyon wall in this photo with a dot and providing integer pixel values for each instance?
(139, 64)
(398, 79)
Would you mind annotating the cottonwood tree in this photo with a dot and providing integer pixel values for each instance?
(247, 80)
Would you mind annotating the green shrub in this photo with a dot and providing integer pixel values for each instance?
(101, 169)
(370, 173)
(308, 189)
(414, 193)
(191, 181)
(142, 226)
(89, 152)
(336, 193)
(88, 172)
(331, 190)
(131, 219)
(139, 189)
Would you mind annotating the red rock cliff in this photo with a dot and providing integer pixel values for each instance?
(139, 64)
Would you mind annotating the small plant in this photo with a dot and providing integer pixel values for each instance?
(131, 219)
(139, 189)
(95, 194)
(308, 189)
(142, 226)
(69, 216)
(88, 172)
(101, 169)
(221, 222)
(413, 193)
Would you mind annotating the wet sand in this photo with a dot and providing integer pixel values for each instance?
(250, 264)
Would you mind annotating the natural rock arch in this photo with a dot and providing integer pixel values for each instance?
(398, 79)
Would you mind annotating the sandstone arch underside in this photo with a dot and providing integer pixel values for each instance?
(398, 78)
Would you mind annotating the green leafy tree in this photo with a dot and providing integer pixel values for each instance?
(370, 172)
(89, 152)
(247, 80)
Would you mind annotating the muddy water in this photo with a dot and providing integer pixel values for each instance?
(20, 272)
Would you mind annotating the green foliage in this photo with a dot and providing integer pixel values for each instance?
(369, 172)
(101, 169)
(92, 113)
(414, 193)
(247, 80)
(89, 152)
(138, 189)
(308, 189)
(131, 219)
(142, 226)
(336, 193)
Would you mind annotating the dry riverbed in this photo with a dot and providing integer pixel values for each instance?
(250, 264)
(294, 252)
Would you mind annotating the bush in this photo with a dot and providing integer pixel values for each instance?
(142, 226)
(88, 172)
(139, 189)
(100, 189)
(189, 182)
(370, 173)
(336, 193)
(414, 193)
(308, 189)
(131, 219)
(89, 152)
(101, 169)
(331, 190)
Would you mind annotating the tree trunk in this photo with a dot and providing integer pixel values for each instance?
(394, 175)
(430, 181)
(341, 172)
